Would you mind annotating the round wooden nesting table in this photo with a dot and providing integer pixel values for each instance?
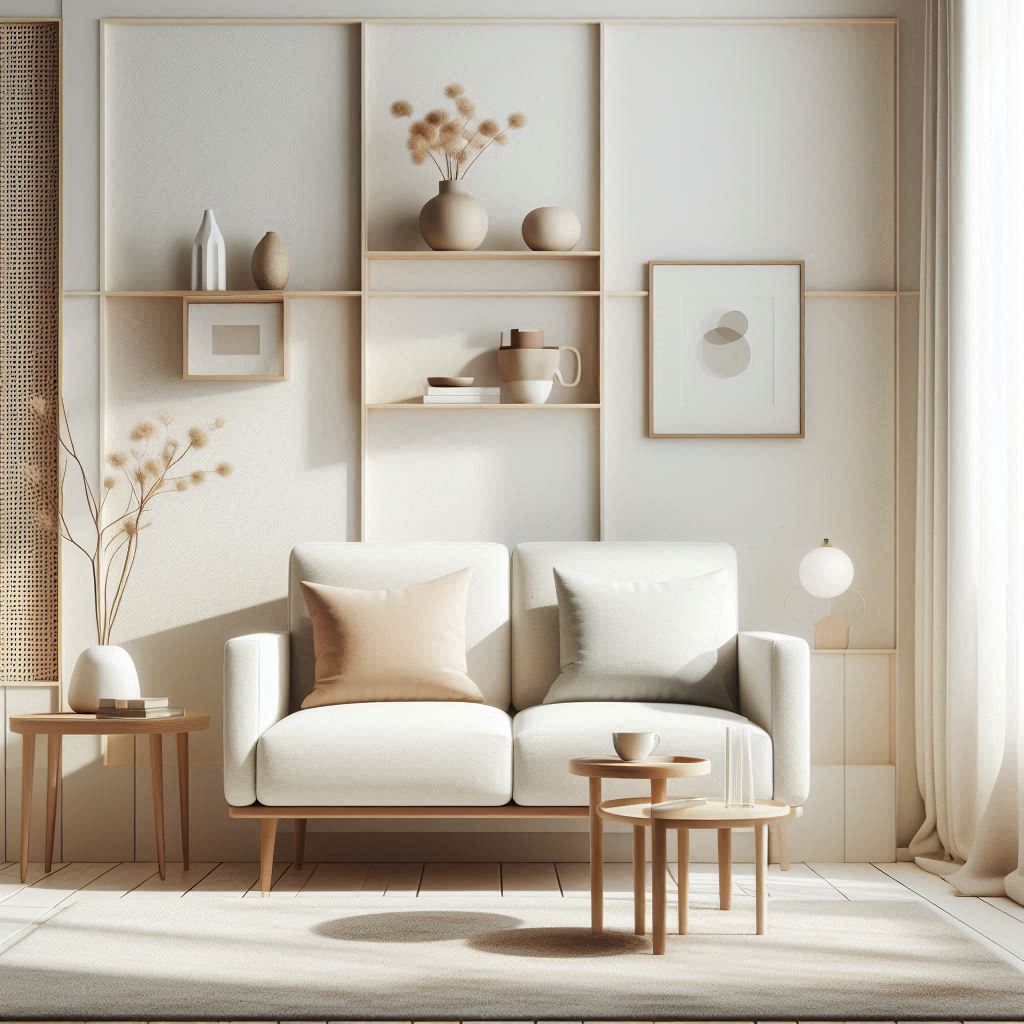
(56, 726)
(656, 769)
(710, 814)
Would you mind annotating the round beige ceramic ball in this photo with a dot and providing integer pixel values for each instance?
(551, 229)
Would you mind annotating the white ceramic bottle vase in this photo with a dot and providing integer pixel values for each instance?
(208, 262)
(103, 670)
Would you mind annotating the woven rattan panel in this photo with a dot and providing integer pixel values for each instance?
(29, 204)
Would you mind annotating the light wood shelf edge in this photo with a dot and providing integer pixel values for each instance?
(470, 294)
(246, 295)
(482, 255)
(488, 407)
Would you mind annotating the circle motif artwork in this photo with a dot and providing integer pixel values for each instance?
(724, 350)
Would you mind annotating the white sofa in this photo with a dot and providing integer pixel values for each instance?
(509, 756)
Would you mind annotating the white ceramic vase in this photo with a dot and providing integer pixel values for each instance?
(453, 221)
(551, 229)
(209, 273)
(103, 670)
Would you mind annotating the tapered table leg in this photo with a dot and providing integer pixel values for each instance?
(725, 868)
(782, 834)
(596, 858)
(639, 880)
(53, 752)
(659, 868)
(761, 862)
(684, 877)
(268, 835)
(156, 771)
(28, 766)
(182, 739)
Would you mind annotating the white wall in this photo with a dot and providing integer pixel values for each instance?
(724, 140)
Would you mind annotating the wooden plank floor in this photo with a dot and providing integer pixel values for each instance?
(996, 921)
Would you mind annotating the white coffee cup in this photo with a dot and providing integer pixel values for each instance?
(635, 746)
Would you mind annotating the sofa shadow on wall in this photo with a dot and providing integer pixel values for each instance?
(185, 664)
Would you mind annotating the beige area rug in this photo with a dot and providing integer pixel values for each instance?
(514, 959)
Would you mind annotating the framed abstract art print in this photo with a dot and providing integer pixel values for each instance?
(726, 349)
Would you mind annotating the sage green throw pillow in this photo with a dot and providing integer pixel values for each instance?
(654, 641)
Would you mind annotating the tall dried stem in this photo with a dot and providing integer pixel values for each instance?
(113, 544)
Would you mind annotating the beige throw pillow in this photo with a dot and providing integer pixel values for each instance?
(652, 640)
(403, 644)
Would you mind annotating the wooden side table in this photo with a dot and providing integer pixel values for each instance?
(655, 769)
(55, 727)
(711, 814)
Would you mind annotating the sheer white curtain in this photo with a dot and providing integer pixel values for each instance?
(970, 491)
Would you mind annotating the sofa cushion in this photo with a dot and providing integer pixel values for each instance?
(645, 640)
(358, 657)
(416, 753)
(382, 566)
(535, 649)
(544, 738)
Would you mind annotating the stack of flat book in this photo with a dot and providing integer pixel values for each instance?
(137, 707)
(462, 396)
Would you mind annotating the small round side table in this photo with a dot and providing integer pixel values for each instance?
(56, 726)
(657, 770)
(710, 814)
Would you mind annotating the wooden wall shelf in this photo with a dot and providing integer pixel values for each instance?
(415, 405)
(470, 294)
(479, 255)
(246, 295)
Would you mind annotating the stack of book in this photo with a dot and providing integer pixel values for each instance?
(137, 707)
(462, 396)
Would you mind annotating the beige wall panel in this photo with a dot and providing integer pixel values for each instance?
(819, 835)
(506, 476)
(827, 708)
(81, 116)
(98, 804)
(870, 813)
(773, 500)
(260, 123)
(539, 70)
(868, 709)
(717, 177)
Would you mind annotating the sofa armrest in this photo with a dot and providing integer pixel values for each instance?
(775, 693)
(255, 697)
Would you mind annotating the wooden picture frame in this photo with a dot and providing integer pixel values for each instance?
(798, 364)
(189, 359)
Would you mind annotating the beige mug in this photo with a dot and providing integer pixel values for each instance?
(635, 746)
(529, 373)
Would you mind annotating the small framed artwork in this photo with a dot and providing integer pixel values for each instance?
(726, 349)
(232, 339)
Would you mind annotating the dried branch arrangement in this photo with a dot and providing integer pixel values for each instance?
(151, 467)
(448, 138)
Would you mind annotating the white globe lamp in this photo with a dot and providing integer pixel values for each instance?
(826, 573)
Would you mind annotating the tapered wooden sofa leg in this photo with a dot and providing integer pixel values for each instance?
(299, 843)
(268, 835)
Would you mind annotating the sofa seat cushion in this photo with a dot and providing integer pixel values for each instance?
(413, 753)
(546, 737)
